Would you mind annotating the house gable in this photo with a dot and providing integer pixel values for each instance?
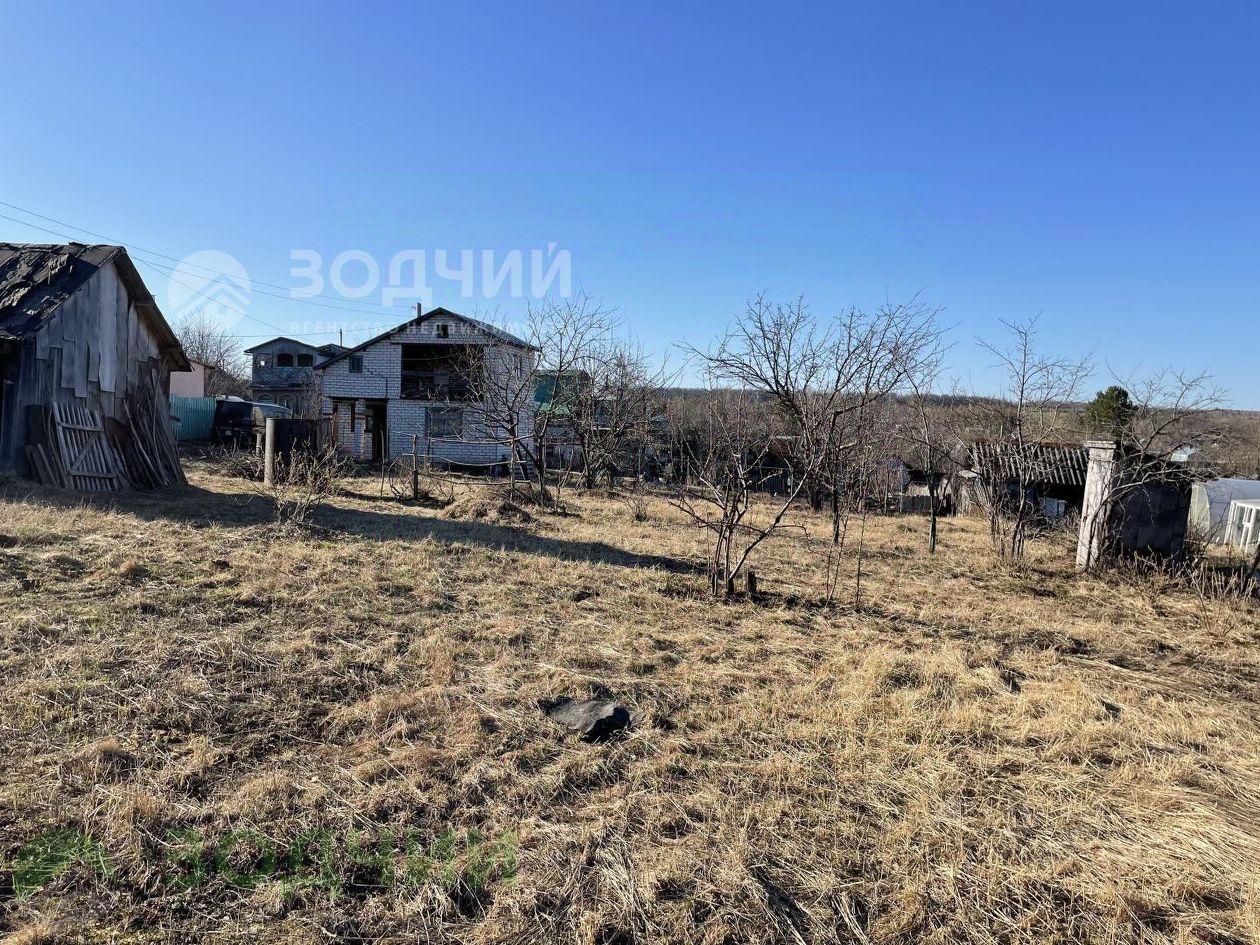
(438, 326)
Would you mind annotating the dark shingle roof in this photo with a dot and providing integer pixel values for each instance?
(484, 326)
(35, 278)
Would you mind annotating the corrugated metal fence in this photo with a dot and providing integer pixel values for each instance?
(191, 417)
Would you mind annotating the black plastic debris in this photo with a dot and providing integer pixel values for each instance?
(596, 720)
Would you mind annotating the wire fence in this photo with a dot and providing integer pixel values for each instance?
(455, 451)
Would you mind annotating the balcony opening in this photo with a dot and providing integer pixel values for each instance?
(440, 372)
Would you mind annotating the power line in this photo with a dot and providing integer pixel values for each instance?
(153, 252)
(255, 317)
(170, 272)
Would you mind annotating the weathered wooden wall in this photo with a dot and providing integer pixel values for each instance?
(92, 350)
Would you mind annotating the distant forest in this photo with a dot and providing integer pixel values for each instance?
(1231, 449)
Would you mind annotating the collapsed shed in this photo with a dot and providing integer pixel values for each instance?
(85, 364)
(1051, 476)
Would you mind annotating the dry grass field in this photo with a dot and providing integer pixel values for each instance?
(980, 753)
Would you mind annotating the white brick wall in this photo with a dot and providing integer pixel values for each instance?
(381, 379)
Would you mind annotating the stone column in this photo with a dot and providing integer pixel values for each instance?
(1096, 509)
(269, 452)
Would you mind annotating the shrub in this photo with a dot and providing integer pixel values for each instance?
(302, 482)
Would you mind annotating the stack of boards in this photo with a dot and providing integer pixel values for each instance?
(74, 447)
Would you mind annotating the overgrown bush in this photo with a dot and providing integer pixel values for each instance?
(302, 482)
(239, 463)
(638, 503)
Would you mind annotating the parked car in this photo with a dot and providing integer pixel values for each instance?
(236, 420)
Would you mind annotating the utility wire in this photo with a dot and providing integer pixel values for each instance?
(170, 272)
(153, 252)
(251, 317)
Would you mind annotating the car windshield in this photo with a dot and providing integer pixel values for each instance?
(273, 410)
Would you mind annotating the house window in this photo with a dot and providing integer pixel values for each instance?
(306, 360)
(443, 330)
(356, 364)
(446, 422)
(260, 361)
(284, 360)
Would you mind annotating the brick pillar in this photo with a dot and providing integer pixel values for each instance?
(1096, 510)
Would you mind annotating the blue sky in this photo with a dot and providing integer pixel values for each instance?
(1094, 163)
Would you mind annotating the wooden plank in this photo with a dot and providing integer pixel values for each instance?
(39, 465)
(69, 364)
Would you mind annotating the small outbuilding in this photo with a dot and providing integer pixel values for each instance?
(1051, 476)
(1210, 504)
(1243, 527)
(85, 365)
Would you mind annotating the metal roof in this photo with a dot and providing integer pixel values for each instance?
(486, 327)
(1060, 464)
(329, 349)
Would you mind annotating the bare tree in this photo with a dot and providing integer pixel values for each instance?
(615, 408)
(933, 436)
(304, 480)
(1035, 407)
(727, 451)
(497, 385)
(817, 382)
(1165, 425)
(526, 398)
(204, 340)
(570, 335)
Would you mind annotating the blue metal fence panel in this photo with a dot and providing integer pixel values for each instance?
(192, 417)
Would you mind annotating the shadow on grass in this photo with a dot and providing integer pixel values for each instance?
(196, 507)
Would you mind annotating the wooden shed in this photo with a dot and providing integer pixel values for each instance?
(81, 336)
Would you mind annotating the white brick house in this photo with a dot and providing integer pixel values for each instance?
(414, 384)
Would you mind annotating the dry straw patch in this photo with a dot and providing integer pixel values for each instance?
(980, 753)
